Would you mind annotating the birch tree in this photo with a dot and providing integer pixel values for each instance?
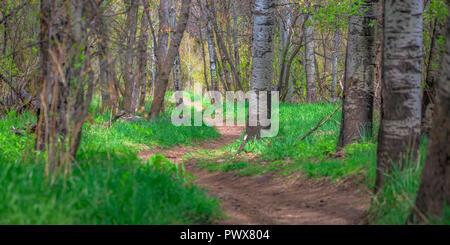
(401, 89)
(262, 67)
(176, 73)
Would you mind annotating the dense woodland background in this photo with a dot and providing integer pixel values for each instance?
(66, 63)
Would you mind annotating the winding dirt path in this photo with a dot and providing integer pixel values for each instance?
(265, 200)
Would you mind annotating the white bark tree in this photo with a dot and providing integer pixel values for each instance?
(262, 68)
(401, 89)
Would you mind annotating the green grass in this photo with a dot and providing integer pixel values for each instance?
(395, 201)
(109, 184)
(286, 155)
(121, 191)
(142, 135)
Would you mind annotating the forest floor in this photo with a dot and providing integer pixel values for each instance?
(265, 200)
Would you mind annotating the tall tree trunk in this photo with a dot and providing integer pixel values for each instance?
(142, 59)
(335, 62)
(401, 89)
(379, 55)
(163, 42)
(310, 60)
(433, 74)
(212, 58)
(109, 98)
(211, 50)
(234, 14)
(357, 111)
(223, 69)
(220, 41)
(262, 68)
(249, 52)
(131, 97)
(168, 61)
(205, 65)
(290, 96)
(434, 191)
(284, 27)
(176, 73)
(65, 74)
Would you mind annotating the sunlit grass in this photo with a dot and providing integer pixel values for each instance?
(286, 155)
(109, 184)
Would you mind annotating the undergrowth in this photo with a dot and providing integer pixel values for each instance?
(109, 184)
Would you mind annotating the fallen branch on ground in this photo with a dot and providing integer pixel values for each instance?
(241, 148)
(321, 123)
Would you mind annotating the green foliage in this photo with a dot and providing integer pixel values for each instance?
(125, 136)
(394, 202)
(12, 146)
(120, 191)
(334, 14)
(109, 185)
(436, 9)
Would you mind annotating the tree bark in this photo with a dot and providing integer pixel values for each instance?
(176, 73)
(235, 27)
(168, 61)
(357, 113)
(211, 50)
(262, 68)
(284, 27)
(433, 74)
(65, 74)
(335, 62)
(310, 68)
(131, 96)
(142, 58)
(434, 191)
(401, 89)
(104, 58)
(222, 48)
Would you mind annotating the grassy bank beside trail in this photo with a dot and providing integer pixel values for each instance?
(314, 157)
(109, 185)
(287, 155)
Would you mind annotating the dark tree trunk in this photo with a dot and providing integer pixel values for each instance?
(107, 87)
(433, 74)
(434, 191)
(64, 98)
(131, 96)
(359, 74)
(143, 58)
(168, 61)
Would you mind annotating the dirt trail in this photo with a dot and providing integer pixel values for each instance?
(267, 201)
